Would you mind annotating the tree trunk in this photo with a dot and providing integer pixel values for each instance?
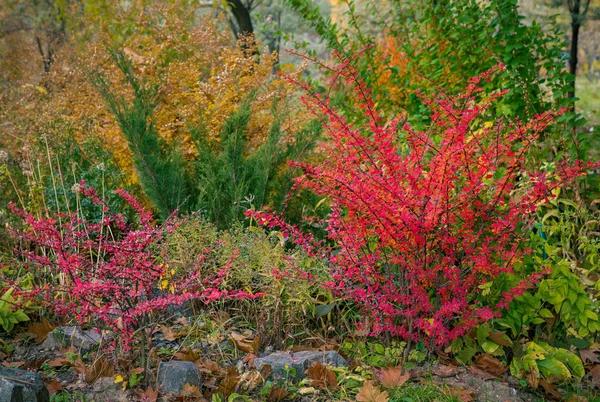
(575, 25)
(242, 16)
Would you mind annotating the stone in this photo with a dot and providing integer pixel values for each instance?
(22, 386)
(172, 377)
(298, 361)
(83, 340)
(105, 389)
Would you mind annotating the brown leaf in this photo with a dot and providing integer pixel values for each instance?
(460, 393)
(60, 362)
(246, 344)
(187, 355)
(168, 333)
(208, 366)
(190, 390)
(228, 384)
(249, 381)
(500, 338)
(101, 367)
(12, 364)
(277, 394)
(321, 376)
(265, 371)
(577, 398)
(490, 364)
(370, 393)
(53, 386)
(41, 330)
(594, 375)
(392, 377)
(149, 395)
(484, 375)
(550, 390)
(589, 355)
(249, 359)
(446, 371)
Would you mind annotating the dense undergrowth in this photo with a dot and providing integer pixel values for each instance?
(423, 195)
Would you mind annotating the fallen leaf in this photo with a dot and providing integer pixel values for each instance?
(228, 384)
(190, 390)
(168, 333)
(392, 377)
(460, 393)
(589, 355)
(41, 330)
(249, 381)
(577, 398)
(101, 367)
(60, 362)
(307, 391)
(187, 355)
(265, 371)
(12, 364)
(484, 375)
(490, 364)
(321, 376)
(550, 390)
(149, 395)
(248, 344)
(370, 393)
(53, 386)
(444, 371)
(277, 394)
(249, 359)
(594, 375)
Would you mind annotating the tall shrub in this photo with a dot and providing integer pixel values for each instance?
(421, 219)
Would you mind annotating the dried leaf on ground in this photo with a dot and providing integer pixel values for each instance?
(444, 371)
(589, 355)
(265, 371)
(41, 330)
(187, 355)
(393, 377)
(53, 386)
(277, 394)
(577, 398)
(594, 375)
(248, 344)
(168, 333)
(321, 376)
(101, 367)
(490, 364)
(228, 384)
(60, 362)
(484, 375)
(190, 390)
(149, 395)
(551, 390)
(249, 381)
(460, 393)
(370, 393)
(208, 366)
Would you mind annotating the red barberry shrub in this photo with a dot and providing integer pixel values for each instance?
(421, 219)
(109, 273)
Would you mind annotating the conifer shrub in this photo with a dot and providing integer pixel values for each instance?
(421, 219)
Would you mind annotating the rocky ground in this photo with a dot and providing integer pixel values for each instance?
(24, 375)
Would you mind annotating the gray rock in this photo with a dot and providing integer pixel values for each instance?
(173, 375)
(105, 389)
(22, 386)
(83, 340)
(298, 361)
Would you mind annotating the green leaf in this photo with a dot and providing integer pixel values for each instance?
(553, 370)
(545, 313)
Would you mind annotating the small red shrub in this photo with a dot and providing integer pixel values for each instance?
(108, 273)
(418, 224)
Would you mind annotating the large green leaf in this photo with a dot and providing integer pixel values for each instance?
(553, 370)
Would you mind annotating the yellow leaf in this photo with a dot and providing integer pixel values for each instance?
(119, 378)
